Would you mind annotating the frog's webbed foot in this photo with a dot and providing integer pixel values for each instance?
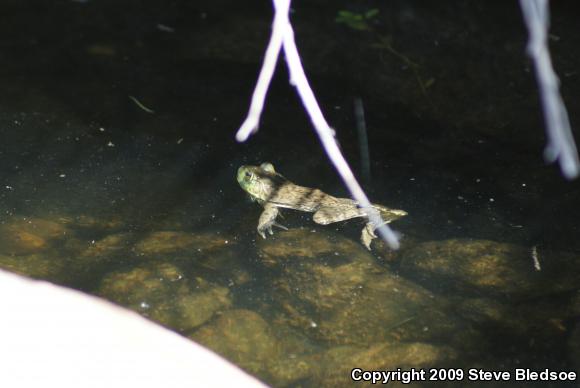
(268, 228)
(368, 235)
(267, 220)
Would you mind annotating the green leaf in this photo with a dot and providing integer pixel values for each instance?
(344, 13)
(371, 13)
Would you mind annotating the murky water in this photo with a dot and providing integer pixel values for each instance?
(143, 208)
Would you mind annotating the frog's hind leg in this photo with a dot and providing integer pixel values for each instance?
(268, 219)
(387, 215)
(329, 215)
(368, 234)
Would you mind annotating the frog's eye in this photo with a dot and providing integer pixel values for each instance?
(248, 175)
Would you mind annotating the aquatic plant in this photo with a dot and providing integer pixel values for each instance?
(356, 21)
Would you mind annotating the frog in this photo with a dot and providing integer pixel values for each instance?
(273, 191)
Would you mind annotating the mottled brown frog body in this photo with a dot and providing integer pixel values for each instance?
(273, 191)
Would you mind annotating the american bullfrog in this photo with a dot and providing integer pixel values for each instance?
(271, 190)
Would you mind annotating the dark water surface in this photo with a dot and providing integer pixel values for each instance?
(143, 208)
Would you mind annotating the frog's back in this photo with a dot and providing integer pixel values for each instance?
(302, 198)
(265, 185)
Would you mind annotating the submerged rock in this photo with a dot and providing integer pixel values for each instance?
(161, 243)
(332, 367)
(85, 221)
(308, 243)
(337, 363)
(29, 246)
(209, 253)
(38, 266)
(300, 242)
(540, 323)
(162, 292)
(243, 337)
(349, 305)
(488, 311)
(482, 267)
(25, 236)
(109, 247)
(336, 292)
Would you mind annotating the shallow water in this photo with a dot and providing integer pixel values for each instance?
(143, 208)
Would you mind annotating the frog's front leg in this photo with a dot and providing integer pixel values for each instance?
(268, 219)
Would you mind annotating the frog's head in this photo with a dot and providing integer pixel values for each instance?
(258, 181)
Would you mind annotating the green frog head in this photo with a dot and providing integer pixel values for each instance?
(259, 181)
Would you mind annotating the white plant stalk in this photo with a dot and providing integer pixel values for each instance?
(561, 144)
(281, 22)
(283, 35)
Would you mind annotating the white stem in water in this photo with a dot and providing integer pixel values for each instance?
(281, 22)
(561, 144)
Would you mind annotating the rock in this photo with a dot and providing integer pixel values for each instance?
(300, 242)
(273, 351)
(348, 305)
(337, 293)
(85, 221)
(337, 363)
(487, 311)
(517, 316)
(297, 358)
(20, 242)
(332, 367)
(210, 253)
(286, 372)
(109, 247)
(28, 247)
(25, 236)
(481, 267)
(161, 243)
(307, 243)
(243, 337)
(198, 307)
(38, 266)
(162, 292)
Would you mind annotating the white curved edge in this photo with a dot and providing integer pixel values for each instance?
(54, 336)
